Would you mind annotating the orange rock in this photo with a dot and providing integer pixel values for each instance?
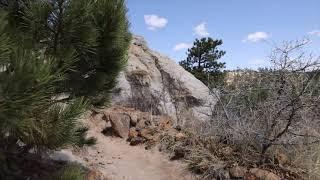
(147, 133)
(249, 176)
(133, 133)
(180, 136)
(165, 123)
(94, 175)
(263, 174)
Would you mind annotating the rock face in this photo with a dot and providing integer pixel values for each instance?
(154, 83)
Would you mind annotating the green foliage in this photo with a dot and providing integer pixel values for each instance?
(70, 172)
(52, 53)
(202, 60)
(94, 33)
(28, 110)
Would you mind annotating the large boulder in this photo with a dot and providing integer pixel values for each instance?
(154, 83)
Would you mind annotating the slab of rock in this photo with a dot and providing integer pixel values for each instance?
(120, 123)
(154, 83)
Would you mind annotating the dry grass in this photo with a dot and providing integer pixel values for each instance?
(208, 157)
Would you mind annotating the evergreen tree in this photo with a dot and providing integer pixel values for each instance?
(202, 60)
(49, 48)
(95, 33)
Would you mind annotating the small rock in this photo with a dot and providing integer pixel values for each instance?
(146, 133)
(137, 140)
(221, 174)
(281, 159)
(238, 172)
(165, 123)
(227, 151)
(180, 136)
(152, 143)
(249, 176)
(133, 119)
(263, 174)
(178, 128)
(94, 175)
(143, 122)
(132, 133)
(109, 162)
(178, 153)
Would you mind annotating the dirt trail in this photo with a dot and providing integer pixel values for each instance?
(117, 160)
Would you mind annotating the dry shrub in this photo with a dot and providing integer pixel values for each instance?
(309, 158)
(261, 112)
(259, 115)
(212, 159)
(197, 152)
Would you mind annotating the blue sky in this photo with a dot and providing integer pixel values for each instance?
(247, 27)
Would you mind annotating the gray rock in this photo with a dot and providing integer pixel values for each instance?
(154, 83)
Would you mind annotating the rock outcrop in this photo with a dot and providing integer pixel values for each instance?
(137, 127)
(154, 83)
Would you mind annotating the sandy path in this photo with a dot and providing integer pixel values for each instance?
(119, 161)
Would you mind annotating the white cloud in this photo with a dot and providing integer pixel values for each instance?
(201, 30)
(182, 46)
(315, 33)
(257, 37)
(155, 22)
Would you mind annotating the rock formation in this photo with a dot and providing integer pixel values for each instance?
(154, 83)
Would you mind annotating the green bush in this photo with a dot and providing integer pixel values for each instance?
(70, 172)
(53, 53)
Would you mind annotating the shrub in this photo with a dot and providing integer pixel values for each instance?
(70, 172)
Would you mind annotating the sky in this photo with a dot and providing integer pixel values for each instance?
(249, 28)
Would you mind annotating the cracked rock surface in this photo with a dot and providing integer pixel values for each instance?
(154, 83)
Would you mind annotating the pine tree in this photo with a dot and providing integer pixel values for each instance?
(95, 33)
(49, 48)
(202, 60)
